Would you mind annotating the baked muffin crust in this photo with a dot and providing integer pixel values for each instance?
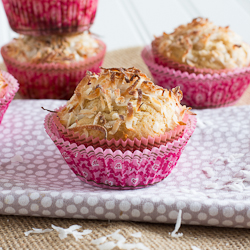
(3, 86)
(53, 49)
(122, 104)
(202, 44)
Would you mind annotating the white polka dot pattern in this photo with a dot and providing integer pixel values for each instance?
(36, 181)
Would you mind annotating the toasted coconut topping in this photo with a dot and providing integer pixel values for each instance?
(130, 116)
(3, 86)
(83, 128)
(50, 49)
(97, 118)
(102, 120)
(202, 44)
(139, 100)
(121, 117)
(115, 127)
(122, 103)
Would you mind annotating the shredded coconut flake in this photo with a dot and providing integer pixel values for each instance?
(99, 241)
(212, 196)
(63, 232)
(120, 242)
(37, 231)
(247, 167)
(220, 158)
(17, 158)
(200, 123)
(229, 158)
(130, 246)
(195, 248)
(177, 226)
(107, 246)
(208, 172)
(137, 235)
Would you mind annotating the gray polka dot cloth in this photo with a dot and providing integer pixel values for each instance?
(210, 183)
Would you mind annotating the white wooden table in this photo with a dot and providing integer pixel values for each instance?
(128, 23)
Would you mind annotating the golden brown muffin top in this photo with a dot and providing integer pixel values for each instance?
(3, 86)
(122, 103)
(204, 45)
(53, 49)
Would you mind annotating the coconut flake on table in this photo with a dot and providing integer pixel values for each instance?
(233, 157)
(245, 175)
(200, 123)
(177, 226)
(37, 231)
(120, 242)
(137, 235)
(99, 240)
(63, 232)
(229, 158)
(107, 246)
(191, 191)
(195, 248)
(247, 167)
(208, 172)
(17, 158)
(203, 124)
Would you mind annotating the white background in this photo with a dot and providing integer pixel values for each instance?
(128, 23)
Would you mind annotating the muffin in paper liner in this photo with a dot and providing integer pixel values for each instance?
(132, 145)
(201, 47)
(9, 94)
(117, 169)
(201, 91)
(51, 80)
(46, 17)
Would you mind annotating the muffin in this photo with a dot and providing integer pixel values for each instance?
(51, 66)
(123, 122)
(8, 89)
(201, 47)
(42, 17)
(209, 63)
(3, 86)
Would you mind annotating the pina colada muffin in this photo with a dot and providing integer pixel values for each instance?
(203, 45)
(50, 67)
(3, 86)
(42, 17)
(53, 49)
(121, 131)
(122, 104)
(8, 88)
(211, 64)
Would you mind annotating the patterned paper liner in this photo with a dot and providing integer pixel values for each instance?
(51, 80)
(166, 62)
(200, 91)
(132, 145)
(117, 170)
(9, 95)
(46, 17)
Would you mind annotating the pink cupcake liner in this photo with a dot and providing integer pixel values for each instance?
(116, 169)
(51, 80)
(200, 91)
(46, 17)
(9, 95)
(132, 145)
